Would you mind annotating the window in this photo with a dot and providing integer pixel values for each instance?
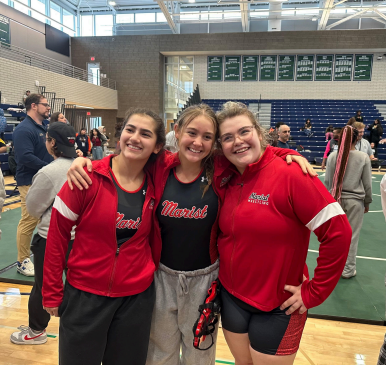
(40, 6)
(22, 8)
(288, 12)
(232, 15)
(55, 12)
(307, 12)
(190, 16)
(161, 18)
(259, 14)
(68, 19)
(103, 25)
(215, 15)
(4, 1)
(204, 16)
(86, 26)
(145, 18)
(124, 18)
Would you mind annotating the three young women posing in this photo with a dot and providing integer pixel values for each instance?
(108, 299)
(188, 197)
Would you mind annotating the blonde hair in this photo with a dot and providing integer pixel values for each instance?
(185, 118)
(351, 121)
(358, 125)
(233, 109)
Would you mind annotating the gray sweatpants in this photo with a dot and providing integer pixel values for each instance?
(178, 296)
(354, 210)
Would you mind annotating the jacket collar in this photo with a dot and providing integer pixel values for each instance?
(43, 125)
(267, 157)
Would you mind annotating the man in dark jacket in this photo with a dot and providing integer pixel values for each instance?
(31, 155)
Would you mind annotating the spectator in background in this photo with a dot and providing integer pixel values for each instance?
(105, 140)
(171, 142)
(274, 134)
(307, 129)
(83, 142)
(58, 117)
(332, 146)
(348, 178)
(26, 95)
(329, 132)
(45, 186)
(359, 117)
(96, 140)
(284, 135)
(2, 194)
(376, 132)
(363, 144)
(29, 139)
(3, 146)
(382, 353)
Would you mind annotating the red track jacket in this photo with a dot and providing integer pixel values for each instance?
(95, 264)
(266, 219)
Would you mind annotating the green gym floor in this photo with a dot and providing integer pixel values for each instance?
(359, 299)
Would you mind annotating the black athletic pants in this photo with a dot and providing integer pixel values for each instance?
(113, 331)
(38, 317)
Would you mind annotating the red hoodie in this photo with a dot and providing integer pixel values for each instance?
(265, 223)
(160, 173)
(95, 264)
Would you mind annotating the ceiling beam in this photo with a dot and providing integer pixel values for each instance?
(347, 18)
(380, 14)
(173, 26)
(244, 9)
(328, 5)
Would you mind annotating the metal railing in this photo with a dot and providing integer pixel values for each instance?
(21, 55)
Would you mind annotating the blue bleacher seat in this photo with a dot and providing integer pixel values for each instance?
(321, 112)
(3, 157)
(4, 166)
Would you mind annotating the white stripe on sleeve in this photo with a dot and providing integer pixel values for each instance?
(64, 210)
(328, 212)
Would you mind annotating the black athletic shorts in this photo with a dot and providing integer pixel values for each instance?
(271, 333)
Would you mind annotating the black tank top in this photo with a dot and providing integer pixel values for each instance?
(129, 214)
(186, 219)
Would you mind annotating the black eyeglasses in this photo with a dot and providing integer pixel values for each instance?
(44, 104)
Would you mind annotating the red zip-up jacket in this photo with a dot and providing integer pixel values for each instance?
(266, 220)
(160, 172)
(95, 264)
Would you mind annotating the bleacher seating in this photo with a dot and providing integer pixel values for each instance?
(322, 113)
(7, 135)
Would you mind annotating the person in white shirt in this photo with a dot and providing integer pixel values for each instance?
(362, 144)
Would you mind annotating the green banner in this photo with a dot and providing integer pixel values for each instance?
(232, 68)
(4, 30)
(286, 68)
(268, 68)
(215, 68)
(250, 66)
(343, 67)
(305, 68)
(363, 65)
(323, 67)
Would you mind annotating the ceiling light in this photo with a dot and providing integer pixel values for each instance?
(314, 18)
(192, 1)
(112, 3)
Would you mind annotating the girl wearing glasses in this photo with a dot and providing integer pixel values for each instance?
(187, 207)
(265, 223)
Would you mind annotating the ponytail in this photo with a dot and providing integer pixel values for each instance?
(348, 136)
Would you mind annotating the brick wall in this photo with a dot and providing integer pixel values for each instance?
(16, 78)
(136, 64)
(370, 90)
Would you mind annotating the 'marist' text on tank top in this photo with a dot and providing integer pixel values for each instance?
(129, 214)
(186, 219)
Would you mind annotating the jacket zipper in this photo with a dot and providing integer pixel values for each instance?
(117, 251)
(233, 233)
